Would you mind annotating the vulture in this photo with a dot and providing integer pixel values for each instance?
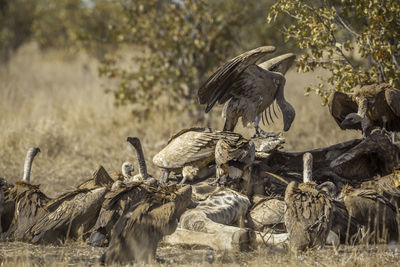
(309, 214)
(368, 107)
(231, 156)
(25, 203)
(189, 152)
(373, 211)
(387, 186)
(123, 194)
(117, 201)
(1, 206)
(71, 215)
(142, 175)
(248, 89)
(139, 230)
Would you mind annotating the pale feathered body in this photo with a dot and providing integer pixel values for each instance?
(193, 147)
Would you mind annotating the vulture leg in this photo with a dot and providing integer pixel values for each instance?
(164, 176)
(394, 137)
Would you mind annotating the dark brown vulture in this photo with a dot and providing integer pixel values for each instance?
(138, 232)
(368, 107)
(308, 218)
(121, 197)
(70, 216)
(387, 186)
(25, 203)
(373, 211)
(249, 89)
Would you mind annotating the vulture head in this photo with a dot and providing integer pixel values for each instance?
(351, 120)
(328, 187)
(127, 169)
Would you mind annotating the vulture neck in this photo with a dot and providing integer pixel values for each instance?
(28, 165)
(142, 163)
(362, 107)
(307, 167)
(287, 109)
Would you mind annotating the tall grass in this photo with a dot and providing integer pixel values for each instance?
(58, 103)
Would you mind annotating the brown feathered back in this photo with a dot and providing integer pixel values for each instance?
(116, 202)
(69, 216)
(373, 211)
(308, 218)
(138, 231)
(30, 205)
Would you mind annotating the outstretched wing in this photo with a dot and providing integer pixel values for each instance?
(219, 84)
(340, 105)
(279, 64)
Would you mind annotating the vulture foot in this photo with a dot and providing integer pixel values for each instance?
(261, 133)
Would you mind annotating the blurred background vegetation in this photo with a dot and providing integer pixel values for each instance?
(179, 43)
(151, 57)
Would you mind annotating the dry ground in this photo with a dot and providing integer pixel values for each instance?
(58, 103)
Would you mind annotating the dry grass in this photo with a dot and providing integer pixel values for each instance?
(59, 104)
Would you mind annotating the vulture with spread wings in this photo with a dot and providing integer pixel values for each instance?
(248, 89)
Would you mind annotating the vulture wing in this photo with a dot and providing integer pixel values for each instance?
(279, 64)
(219, 84)
(340, 105)
(393, 100)
(73, 215)
(190, 147)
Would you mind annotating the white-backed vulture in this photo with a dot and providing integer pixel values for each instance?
(387, 186)
(138, 232)
(71, 215)
(231, 156)
(26, 202)
(369, 106)
(373, 211)
(189, 152)
(308, 218)
(249, 89)
(121, 197)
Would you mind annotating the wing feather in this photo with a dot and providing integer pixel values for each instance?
(220, 83)
(340, 105)
(393, 100)
(280, 64)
